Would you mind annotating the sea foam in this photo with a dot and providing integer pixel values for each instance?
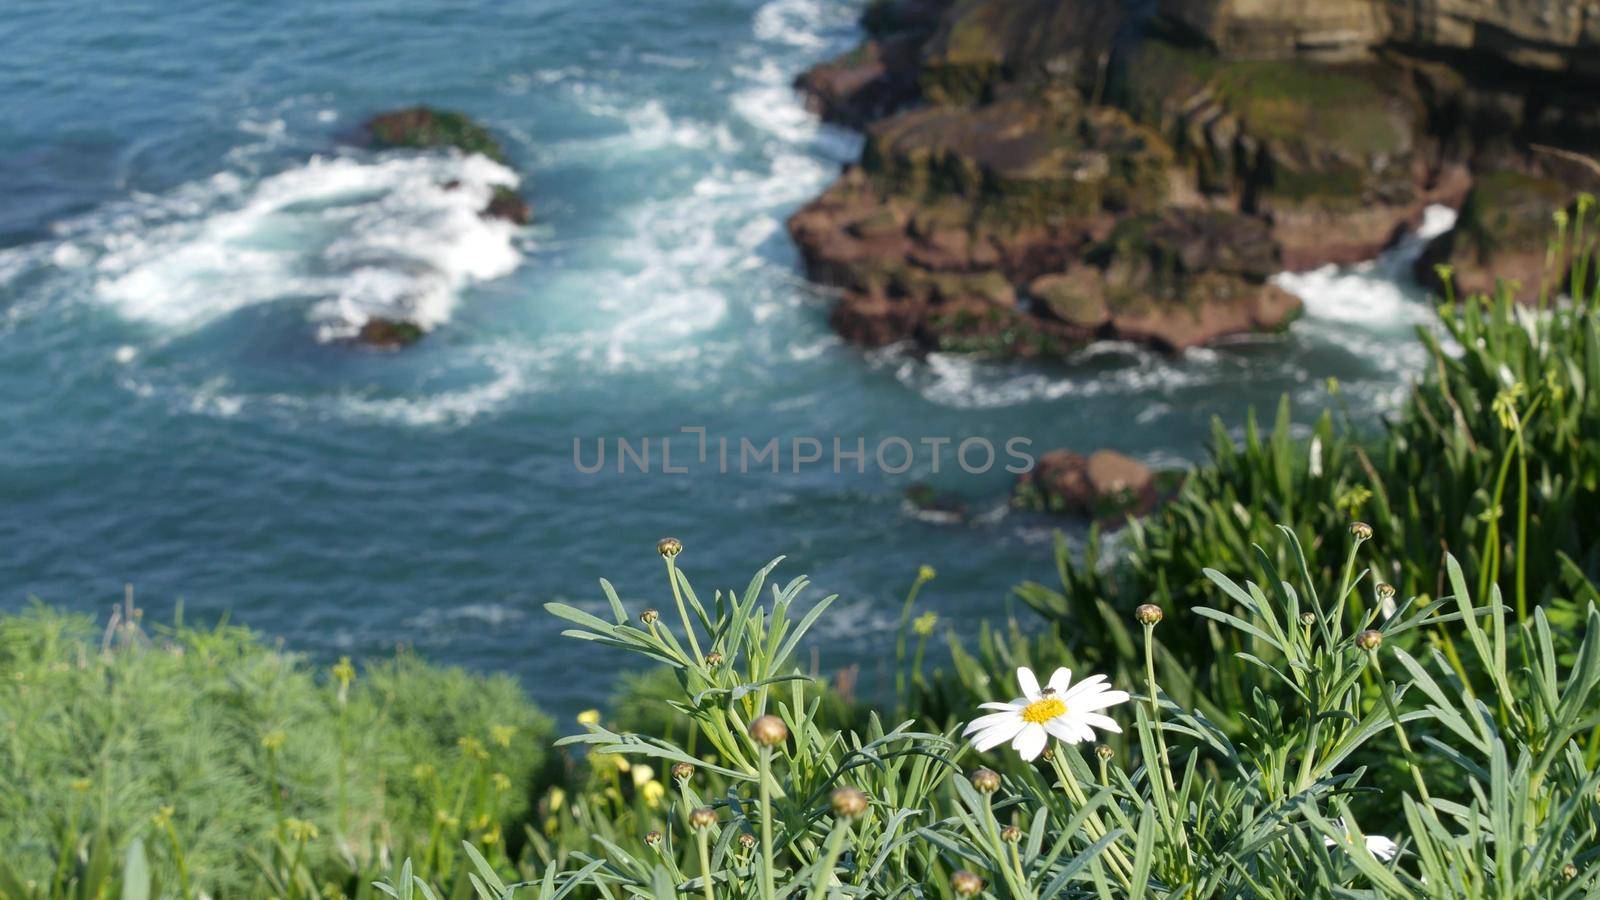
(344, 238)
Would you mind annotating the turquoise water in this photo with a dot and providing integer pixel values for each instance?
(187, 231)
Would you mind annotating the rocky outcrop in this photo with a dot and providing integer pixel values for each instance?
(1040, 173)
(1503, 239)
(1555, 36)
(1330, 155)
(1104, 485)
(425, 128)
(997, 229)
(389, 334)
(505, 203)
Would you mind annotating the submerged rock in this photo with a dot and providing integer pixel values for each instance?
(929, 504)
(507, 204)
(423, 127)
(1104, 485)
(389, 334)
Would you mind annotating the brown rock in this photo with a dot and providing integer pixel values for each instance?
(1561, 36)
(1244, 29)
(1502, 235)
(507, 204)
(981, 43)
(1105, 485)
(1077, 297)
(389, 334)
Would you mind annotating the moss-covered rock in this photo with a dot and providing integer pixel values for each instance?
(1329, 154)
(389, 334)
(1503, 234)
(423, 127)
(981, 44)
(506, 203)
(1027, 157)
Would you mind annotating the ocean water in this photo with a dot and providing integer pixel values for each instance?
(188, 231)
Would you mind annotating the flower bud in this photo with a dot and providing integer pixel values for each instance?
(1148, 614)
(683, 771)
(649, 616)
(849, 802)
(965, 883)
(703, 818)
(669, 547)
(747, 841)
(1308, 619)
(1104, 751)
(1361, 531)
(769, 731)
(713, 659)
(1569, 871)
(1371, 639)
(1385, 591)
(1011, 834)
(652, 838)
(987, 781)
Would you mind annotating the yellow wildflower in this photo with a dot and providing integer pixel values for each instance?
(502, 734)
(653, 793)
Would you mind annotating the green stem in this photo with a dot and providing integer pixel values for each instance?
(766, 824)
(900, 639)
(1010, 867)
(180, 861)
(702, 835)
(1097, 829)
(1522, 527)
(830, 857)
(1400, 730)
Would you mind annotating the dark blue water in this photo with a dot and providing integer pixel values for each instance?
(186, 231)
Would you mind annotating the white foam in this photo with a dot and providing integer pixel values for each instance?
(346, 238)
(1380, 292)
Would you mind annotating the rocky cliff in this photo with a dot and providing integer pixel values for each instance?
(1039, 173)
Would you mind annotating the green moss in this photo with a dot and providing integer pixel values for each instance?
(1511, 210)
(422, 127)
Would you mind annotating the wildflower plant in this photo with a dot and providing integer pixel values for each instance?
(787, 808)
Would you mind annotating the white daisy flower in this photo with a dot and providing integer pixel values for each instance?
(1377, 845)
(1062, 710)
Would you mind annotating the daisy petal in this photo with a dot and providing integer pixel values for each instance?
(996, 735)
(993, 705)
(1062, 730)
(1086, 686)
(1030, 684)
(1099, 701)
(1030, 742)
(989, 721)
(1104, 723)
(1061, 680)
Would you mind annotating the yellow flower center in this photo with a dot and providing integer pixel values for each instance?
(1040, 711)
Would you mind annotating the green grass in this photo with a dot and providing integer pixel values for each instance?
(111, 735)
